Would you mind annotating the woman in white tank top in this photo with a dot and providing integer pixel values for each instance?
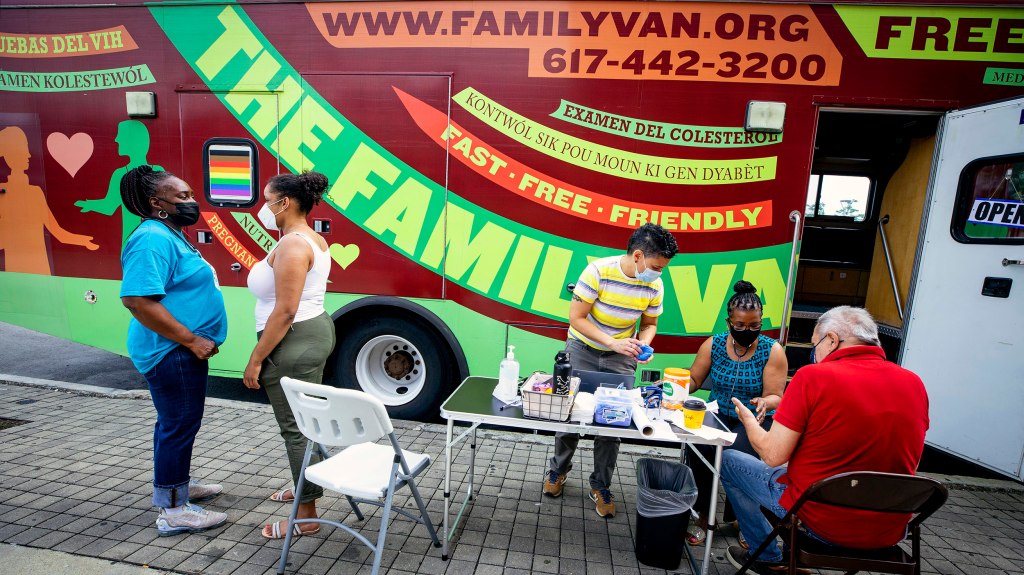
(295, 334)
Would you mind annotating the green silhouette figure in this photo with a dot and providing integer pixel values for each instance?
(133, 142)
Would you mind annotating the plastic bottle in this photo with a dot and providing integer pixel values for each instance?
(508, 377)
(675, 388)
(651, 391)
(562, 372)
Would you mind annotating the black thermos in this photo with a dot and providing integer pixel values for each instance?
(562, 373)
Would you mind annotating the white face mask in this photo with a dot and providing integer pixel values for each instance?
(267, 217)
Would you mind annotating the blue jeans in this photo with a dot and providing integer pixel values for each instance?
(178, 387)
(750, 484)
(704, 476)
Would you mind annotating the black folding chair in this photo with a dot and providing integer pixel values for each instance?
(868, 491)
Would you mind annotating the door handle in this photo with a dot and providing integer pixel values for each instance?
(1009, 262)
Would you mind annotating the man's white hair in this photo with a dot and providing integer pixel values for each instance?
(849, 322)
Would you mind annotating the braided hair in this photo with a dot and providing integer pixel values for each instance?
(745, 298)
(140, 184)
(306, 188)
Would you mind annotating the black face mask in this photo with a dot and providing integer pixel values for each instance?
(744, 337)
(814, 356)
(187, 214)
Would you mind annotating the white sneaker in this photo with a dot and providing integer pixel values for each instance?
(191, 519)
(198, 491)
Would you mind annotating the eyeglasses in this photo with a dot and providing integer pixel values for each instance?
(751, 327)
(814, 356)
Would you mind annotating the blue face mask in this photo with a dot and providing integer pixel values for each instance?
(648, 275)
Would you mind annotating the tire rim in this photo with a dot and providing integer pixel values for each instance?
(391, 369)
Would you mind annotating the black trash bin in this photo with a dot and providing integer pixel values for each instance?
(665, 493)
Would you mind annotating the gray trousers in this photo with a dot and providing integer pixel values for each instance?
(300, 355)
(606, 449)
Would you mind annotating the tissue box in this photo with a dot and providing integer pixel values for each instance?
(614, 407)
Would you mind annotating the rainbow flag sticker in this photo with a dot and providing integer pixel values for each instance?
(230, 173)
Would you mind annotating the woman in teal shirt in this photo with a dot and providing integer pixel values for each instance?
(178, 322)
(740, 363)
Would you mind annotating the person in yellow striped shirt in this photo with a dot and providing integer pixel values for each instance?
(612, 295)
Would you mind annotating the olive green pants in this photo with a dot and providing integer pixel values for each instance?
(300, 355)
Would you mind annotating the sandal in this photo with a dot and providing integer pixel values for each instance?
(695, 535)
(285, 495)
(742, 540)
(278, 532)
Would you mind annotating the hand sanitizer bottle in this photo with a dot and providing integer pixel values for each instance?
(508, 377)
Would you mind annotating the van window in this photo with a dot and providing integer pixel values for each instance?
(990, 201)
(231, 172)
(836, 196)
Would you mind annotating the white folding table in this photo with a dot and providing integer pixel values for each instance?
(472, 403)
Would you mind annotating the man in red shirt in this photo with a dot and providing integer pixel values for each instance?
(852, 411)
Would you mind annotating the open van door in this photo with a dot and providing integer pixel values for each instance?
(965, 320)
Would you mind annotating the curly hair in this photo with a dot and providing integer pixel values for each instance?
(653, 240)
(306, 188)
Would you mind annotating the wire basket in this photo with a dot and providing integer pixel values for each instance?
(550, 406)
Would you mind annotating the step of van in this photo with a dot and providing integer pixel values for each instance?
(797, 355)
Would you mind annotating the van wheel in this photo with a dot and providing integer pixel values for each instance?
(398, 361)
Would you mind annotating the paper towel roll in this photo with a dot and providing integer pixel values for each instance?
(641, 421)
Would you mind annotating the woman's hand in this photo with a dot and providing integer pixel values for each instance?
(251, 377)
(762, 407)
(202, 347)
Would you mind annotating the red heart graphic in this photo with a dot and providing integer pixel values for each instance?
(71, 153)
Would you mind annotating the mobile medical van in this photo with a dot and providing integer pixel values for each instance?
(481, 153)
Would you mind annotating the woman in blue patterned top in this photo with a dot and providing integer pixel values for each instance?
(740, 363)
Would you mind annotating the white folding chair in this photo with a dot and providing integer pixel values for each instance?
(364, 471)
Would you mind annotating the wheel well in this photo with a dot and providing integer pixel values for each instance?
(375, 307)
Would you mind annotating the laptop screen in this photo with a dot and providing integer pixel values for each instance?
(591, 380)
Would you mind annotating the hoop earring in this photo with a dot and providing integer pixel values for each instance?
(162, 215)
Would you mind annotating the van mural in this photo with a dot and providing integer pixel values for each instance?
(481, 154)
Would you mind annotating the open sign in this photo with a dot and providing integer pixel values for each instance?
(997, 212)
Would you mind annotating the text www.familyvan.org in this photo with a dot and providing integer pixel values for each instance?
(527, 23)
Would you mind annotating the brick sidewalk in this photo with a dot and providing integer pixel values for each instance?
(77, 478)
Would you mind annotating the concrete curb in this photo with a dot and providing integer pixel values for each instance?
(965, 483)
(950, 481)
(79, 388)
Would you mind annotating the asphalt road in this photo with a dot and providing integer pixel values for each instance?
(32, 354)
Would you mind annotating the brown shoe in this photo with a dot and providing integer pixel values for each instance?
(603, 499)
(553, 483)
